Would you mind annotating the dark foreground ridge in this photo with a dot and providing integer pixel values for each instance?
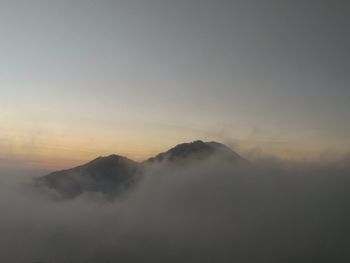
(114, 174)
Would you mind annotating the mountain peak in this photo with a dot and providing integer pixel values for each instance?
(197, 150)
(113, 174)
(110, 175)
(113, 158)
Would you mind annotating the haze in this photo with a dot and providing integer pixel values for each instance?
(183, 131)
(80, 79)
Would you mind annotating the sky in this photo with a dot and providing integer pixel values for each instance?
(80, 79)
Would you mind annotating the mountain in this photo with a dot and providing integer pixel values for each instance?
(114, 174)
(109, 175)
(197, 150)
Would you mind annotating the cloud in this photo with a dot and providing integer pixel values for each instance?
(201, 212)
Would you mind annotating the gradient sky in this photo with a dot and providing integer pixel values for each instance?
(81, 78)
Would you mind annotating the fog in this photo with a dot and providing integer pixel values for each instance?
(208, 211)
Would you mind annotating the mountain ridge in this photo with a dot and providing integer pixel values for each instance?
(112, 175)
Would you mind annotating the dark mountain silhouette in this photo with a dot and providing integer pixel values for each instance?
(109, 175)
(114, 174)
(197, 150)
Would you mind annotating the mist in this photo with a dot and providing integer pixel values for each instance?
(210, 211)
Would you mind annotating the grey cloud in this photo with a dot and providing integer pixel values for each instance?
(200, 212)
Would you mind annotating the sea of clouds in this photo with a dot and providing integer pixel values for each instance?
(209, 211)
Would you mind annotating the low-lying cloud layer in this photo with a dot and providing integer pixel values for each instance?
(199, 212)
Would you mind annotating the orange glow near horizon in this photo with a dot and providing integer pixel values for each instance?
(52, 153)
(56, 144)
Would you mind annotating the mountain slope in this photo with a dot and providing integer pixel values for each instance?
(197, 150)
(114, 174)
(109, 175)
